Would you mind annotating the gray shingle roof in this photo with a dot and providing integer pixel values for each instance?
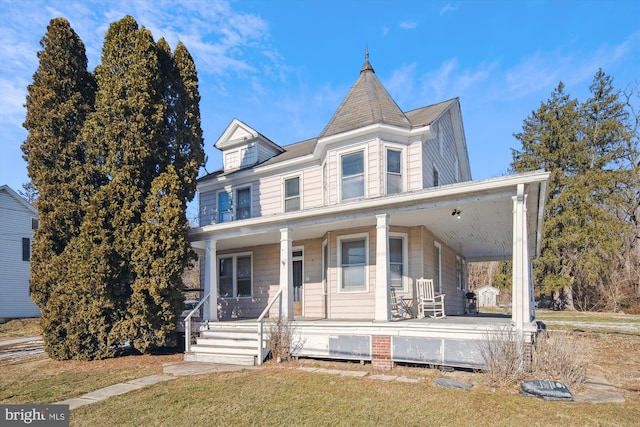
(367, 103)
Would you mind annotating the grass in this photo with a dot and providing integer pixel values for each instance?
(280, 394)
(20, 328)
(43, 380)
(276, 396)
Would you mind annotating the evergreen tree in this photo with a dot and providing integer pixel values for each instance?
(160, 257)
(58, 102)
(114, 170)
(580, 144)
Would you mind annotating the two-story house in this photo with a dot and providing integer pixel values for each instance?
(336, 225)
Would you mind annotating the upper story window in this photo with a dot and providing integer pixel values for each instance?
(225, 213)
(35, 223)
(241, 157)
(352, 169)
(228, 210)
(394, 171)
(352, 259)
(436, 177)
(292, 194)
(243, 209)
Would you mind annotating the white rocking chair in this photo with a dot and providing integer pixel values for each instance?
(429, 304)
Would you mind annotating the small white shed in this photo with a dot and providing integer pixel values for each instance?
(18, 220)
(487, 296)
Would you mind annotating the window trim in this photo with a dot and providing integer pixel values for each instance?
(405, 260)
(340, 155)
(284, 191)
(403, 168)
(351, 238)
(234, 277)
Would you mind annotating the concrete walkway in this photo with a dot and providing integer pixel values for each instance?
(170, 370)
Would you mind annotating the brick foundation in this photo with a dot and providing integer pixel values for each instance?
(381, 350)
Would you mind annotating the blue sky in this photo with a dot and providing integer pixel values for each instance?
(283, 67)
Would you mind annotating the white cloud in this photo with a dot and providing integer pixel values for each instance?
(447, 8)
(408, 25)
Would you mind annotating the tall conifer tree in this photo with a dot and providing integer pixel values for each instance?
(582, 146)
(127, 157)
(58, 102)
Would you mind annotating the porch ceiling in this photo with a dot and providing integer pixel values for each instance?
(484, 230)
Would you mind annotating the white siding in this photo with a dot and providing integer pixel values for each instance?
(444, 160)
(15, 224)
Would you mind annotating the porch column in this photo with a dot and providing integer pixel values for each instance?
(521, 288)
(382, 297)
(286, 273)
(210, 307)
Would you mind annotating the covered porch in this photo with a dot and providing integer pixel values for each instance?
(495, 219)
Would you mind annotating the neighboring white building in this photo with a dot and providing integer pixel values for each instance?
(18, 219)
(487, 296)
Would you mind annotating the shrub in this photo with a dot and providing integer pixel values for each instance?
(280, 339)
(502, 354)
(560, 356)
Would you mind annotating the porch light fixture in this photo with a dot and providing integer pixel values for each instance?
(456, 213)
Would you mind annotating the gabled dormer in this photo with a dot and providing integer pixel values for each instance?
(243, 146)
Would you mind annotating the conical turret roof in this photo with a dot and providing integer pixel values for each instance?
(367, 103)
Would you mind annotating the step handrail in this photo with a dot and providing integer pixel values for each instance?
(187, 323)
(261, 353)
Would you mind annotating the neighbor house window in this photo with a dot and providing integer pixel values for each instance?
(397, 262)
(394, 171)
(235, 276)
(437, 267)
(243, 208)
(436, 177)
(352, 258)
(352, 175)
(26, 249)
(292, 194)
(225, 213)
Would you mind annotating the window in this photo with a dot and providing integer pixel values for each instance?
(225, 214)
(352, 257)
(460, 273)
(394, 171)
(396, 262)
(235, 276)
(436, 178)
(248, 155)
(26, 249)
(292, 194)
(35, 223)
(437, 264)
(243, 210)
(352, 175)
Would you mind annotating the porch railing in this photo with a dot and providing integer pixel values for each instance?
(187, 323)
(261, 351)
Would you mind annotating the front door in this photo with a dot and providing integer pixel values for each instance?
(297, 259)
